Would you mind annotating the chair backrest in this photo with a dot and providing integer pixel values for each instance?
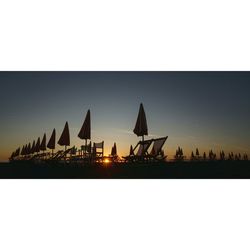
(143, 147)
(158, 145)
(99, 146)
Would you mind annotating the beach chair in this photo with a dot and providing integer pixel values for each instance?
(86, 151)
(98, 152)
(56, 155)
(157, 153)
(63, 155)
(139, 152)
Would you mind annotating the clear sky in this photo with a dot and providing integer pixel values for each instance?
(209, 110)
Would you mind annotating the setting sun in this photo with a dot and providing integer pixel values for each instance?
(106, 161)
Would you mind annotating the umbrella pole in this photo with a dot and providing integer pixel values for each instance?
(65, 155)
(86, 142)
(143, 146)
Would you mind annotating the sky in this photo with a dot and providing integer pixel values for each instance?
(208, 110)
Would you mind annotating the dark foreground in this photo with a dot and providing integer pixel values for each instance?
(168, 170)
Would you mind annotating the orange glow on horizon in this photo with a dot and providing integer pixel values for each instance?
(107, 161)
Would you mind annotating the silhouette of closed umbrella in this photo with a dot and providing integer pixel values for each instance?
(65, 137)
(141, 127)
(29, 149)
(25, 149)
(52, 142)
(33, 148)
(17, 152)
(114, 150)
(22, 151)
(43, 143)
(192, 155)
(37, 149)
(181, 152)
(85, 132)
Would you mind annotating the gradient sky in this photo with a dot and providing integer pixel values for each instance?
(209, 110)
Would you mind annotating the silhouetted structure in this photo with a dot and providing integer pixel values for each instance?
(65, 137)
(85, 132)
(192, 158)
(179, 156)
(145, 151)
(222, 155)
(212, 155)
(204, 156)
(141, 127)
(52, 142)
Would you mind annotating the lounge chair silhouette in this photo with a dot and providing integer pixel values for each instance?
(139, 152)
(156, 153)
(63, 155)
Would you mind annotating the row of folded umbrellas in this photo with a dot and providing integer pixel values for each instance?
(141, 129)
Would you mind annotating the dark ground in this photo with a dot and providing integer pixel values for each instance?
(168, 170)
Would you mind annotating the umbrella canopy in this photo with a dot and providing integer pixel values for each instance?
(26, 149)
(114, 150)
(22, 151)
(29, 149)
(37, 148)
(65, 137)
(18, 152)
(52, 140)
(141, 127)
(43, 143)
(33, 149)
(85, 132)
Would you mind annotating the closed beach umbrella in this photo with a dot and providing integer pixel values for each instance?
(114, 150)
(29, 149)
(43, 143)
(37, 148)
(65, 137)
(85, 132)
(33, 148)
(141, 127)
(52, 141)
(26, 149)
(18, 152)
(22, 151)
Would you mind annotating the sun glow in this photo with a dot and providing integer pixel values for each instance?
(107, 161)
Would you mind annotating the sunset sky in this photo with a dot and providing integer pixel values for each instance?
(195, 109)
